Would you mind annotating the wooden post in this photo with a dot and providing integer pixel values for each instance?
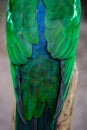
(64, 121)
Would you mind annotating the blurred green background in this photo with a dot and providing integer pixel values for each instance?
(79, 120)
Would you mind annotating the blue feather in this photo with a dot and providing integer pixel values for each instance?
(41, 47)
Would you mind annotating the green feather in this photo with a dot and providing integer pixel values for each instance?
(42, 82)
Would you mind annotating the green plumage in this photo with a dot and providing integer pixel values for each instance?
(42, 54)
(38, 90)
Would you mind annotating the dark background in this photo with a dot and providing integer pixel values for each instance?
(79, 120)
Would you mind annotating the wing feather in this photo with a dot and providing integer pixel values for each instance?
(62, 24)
(21, 28)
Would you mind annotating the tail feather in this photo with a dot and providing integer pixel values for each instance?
(44, 122)
(20, 125)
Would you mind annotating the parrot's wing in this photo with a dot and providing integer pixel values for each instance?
(16, 82)
(20, 30)
(62, 27)
(17, 46)
(62, 23)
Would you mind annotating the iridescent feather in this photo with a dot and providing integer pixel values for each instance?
(42, 37)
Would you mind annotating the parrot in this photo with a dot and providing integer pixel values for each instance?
(41, 38)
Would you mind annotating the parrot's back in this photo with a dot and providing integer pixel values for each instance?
(42, 37)
(39, 77)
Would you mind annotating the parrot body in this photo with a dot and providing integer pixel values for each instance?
(42, 38)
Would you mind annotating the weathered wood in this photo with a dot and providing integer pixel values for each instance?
(64, 121)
